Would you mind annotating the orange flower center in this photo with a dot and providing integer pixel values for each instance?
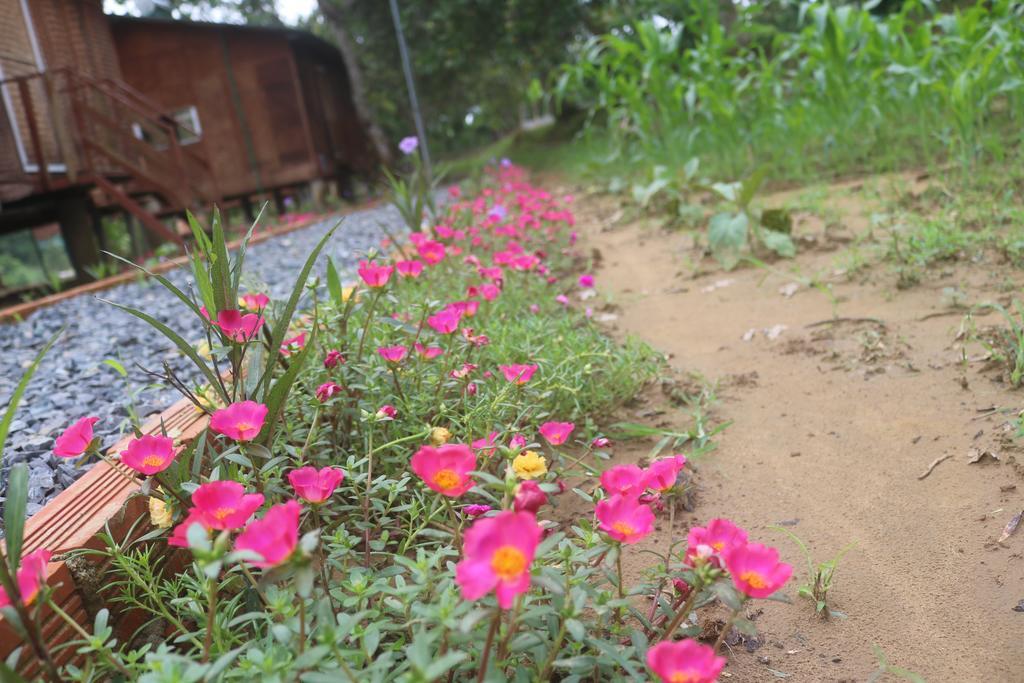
(624, 528)
(447, 479)
(718, 545)
(243, 427)
(508, 562)
(753, 579)
(222, 513)
(689, 676)
(152, 461)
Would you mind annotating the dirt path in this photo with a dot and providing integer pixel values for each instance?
(833, 425)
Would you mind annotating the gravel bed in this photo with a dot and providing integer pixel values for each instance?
(73, 380)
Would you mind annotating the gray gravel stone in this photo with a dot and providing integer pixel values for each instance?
(74, 382)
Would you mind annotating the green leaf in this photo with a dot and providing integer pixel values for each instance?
(182, 345)
(9, 675)
(220, 266)
(165, 282)
(279, 390)
(117, 366)
(750, 186)
(334, 283)
(285, 315)
(14, 513)
(727, 235)
(779, 242)
(19, 391)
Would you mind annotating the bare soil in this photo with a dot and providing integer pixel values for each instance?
(834, 424)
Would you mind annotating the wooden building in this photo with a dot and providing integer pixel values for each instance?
(270, 106)
(147, 118)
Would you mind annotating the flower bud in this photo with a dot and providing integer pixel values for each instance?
(529, 497)
(439, 436)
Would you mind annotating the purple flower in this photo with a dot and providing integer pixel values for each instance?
(409, 144)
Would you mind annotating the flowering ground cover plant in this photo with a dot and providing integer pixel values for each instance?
(377, 495)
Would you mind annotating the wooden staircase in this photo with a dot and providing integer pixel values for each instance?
(104, 135)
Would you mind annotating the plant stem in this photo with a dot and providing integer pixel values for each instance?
(302, 624)
(726, 628)
(366, 499)
(512, 623)
(86, 637)
(555, 649)
(486, 654)
(618, 568)
(456, 524)
(366, 325)
(683, 612)
(185, 505)
(211, 618)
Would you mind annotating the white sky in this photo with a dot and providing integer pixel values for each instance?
(291, 11)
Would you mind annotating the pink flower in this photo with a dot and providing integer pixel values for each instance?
(623, 480)
(313, 485)
(710, 542)
(489, 292)
(29, 578)
(445, 469)
(562, 299)
(432, 252)
(76, 439)
(684, 661)
(601, 442)
(518, 373)
(393, 354)
(274, 536)
(332, 358)
(534, 308)
(445, 321)
(239, 421)
(325, 391)
(529, 497)
(293, 345)
(661, 474)
(486, 445)
(428, 352)
(237, 327)
(409, 268)
(386, 412)
(517, 441)
(255, 302)
(224, 504)
(497, 554)
(374, 275)
(586, 281)
(556, 433)
(179, 538)
(624, 519)
(755, 569)
(472, 511)
(149, 454)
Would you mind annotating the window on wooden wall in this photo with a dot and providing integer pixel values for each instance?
(187, 127)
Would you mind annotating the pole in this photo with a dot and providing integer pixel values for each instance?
(417, 116)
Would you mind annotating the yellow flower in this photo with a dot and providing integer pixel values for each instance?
(439, 436)
(203, 349)
(159, 513)
(346, 293)
(530, 465)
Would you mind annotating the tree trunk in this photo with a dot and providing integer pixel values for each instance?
(335, 14)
